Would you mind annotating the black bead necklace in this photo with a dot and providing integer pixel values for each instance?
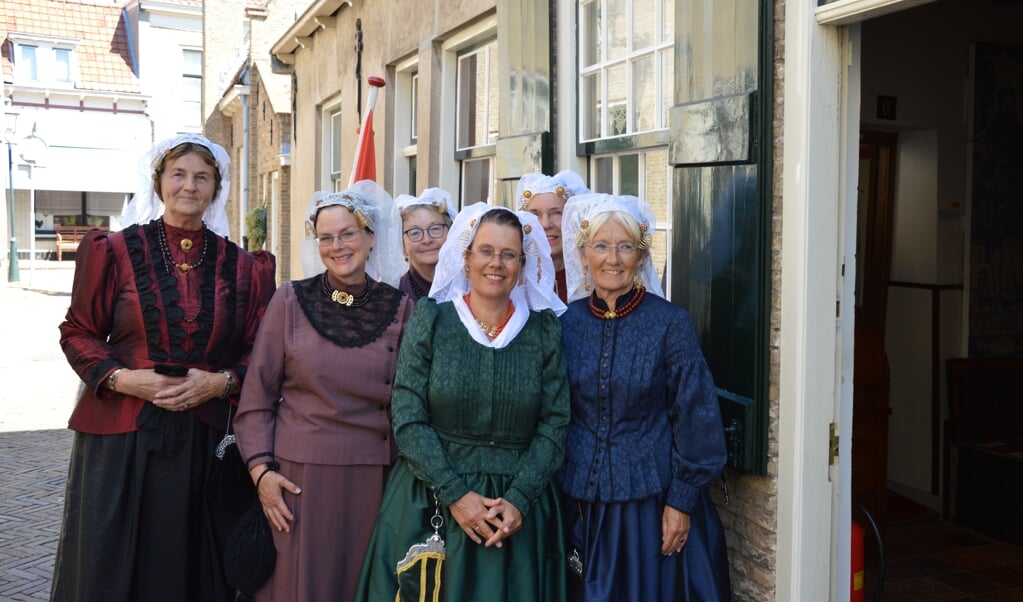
(416, 289)
(168, 259)
(343, 298)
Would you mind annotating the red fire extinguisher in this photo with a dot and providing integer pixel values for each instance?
(856, 582)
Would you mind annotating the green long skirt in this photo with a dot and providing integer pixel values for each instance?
(530, 565)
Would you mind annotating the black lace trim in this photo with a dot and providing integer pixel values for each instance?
(348, 326)
(164, 308)
(143, 270)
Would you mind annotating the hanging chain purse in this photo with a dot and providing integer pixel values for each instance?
(419, 572)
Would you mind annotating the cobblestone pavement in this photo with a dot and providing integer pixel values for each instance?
(36, 398)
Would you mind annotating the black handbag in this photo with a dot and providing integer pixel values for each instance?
(249, 552)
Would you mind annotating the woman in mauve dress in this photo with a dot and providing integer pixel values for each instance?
(313, 422)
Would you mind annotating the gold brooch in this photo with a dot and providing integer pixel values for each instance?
(186, 244)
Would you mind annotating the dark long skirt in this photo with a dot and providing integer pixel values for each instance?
(529, 566)
(620, 548)
(146, 514)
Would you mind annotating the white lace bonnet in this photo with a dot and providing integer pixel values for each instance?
(145, 205)
(375, 207)
(565, 184)
(579, 212)
(537, 289)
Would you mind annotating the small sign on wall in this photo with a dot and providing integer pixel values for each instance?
(886, 107)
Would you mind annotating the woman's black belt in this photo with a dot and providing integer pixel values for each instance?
(479, 442)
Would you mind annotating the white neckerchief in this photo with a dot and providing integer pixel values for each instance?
(520, 314)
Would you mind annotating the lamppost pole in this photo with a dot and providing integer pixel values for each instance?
(13, 274)
(10, 129)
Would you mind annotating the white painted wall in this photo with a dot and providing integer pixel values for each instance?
(908, 331)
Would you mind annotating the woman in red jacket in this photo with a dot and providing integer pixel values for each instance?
(162, 319)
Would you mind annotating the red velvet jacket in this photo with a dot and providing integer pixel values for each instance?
(124, 313)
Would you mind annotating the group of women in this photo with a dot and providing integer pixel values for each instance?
(422, 419)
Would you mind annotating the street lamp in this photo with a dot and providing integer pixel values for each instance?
(10, 128)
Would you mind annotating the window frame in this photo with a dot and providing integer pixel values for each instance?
(189, 76)
(406, 83)
(44, 62)
(661, 49)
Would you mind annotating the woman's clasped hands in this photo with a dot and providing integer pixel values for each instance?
(486, 520)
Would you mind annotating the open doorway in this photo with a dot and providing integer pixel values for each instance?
(940, 85)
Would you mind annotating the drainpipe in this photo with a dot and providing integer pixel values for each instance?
(243, 164)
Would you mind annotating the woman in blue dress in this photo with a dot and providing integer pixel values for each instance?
(645, 437)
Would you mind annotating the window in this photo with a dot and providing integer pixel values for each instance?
(40, 62)
(336, 184)
(626, 66)
(478, 105)
(406, 97)
(645, 174)
(476, 131)
(413, 107)
(191, 89)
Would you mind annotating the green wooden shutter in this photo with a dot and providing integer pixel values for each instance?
(720, 131)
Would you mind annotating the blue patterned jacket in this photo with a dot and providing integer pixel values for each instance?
(645, 416)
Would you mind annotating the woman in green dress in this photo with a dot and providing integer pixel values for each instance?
(479, 410)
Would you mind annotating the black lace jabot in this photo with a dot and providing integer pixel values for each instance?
(348, 326)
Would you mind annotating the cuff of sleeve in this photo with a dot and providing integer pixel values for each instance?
(682, 496)
(452, 491)
(519, 500)
(103, 372)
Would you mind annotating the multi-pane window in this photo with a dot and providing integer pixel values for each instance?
(645, 174)
(191, 88)
(41, 63)
(626, 66)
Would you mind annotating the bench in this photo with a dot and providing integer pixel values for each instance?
(68, 237)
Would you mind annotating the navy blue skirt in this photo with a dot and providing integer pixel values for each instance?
(619, 545)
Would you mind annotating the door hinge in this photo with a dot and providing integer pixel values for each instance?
(833, 445)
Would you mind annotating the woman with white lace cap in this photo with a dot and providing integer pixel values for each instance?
(425, 221)
(327, 351)
(545, 197)
(646, 437)
(162, 318)
(479, 408)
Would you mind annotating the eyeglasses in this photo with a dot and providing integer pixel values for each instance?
(415, 234)
(625, 250)
(553, 215)
(506, 257)
(327, 240)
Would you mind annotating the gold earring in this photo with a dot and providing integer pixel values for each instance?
(586, 279)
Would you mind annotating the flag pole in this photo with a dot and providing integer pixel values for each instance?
(375, 84)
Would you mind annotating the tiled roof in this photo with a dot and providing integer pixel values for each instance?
(104, 60)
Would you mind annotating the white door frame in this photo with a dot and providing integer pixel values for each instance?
(815, 345)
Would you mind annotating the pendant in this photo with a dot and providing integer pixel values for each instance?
(184, 267)
(186, 244)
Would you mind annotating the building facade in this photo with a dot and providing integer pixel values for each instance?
(94, 85)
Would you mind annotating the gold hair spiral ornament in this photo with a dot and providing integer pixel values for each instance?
(527, 228)
(560, 191)
(527, 194)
